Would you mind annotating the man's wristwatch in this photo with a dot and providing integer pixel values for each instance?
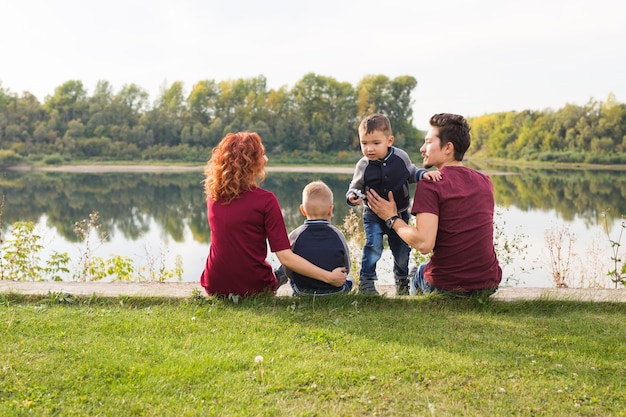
(389, 221)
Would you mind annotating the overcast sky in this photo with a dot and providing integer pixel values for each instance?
(468, 56)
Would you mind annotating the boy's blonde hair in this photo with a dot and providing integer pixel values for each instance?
(317, 198)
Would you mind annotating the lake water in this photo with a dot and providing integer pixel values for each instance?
(155, 218)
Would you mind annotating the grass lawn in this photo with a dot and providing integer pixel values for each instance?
(346, 355)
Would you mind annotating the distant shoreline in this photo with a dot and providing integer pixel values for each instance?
(175, 168)
(328, 169)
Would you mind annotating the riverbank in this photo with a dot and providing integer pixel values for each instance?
(152, 167)
(173, 168)
(188, 289)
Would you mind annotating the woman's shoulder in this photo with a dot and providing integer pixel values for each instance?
(258, 191)
(260, 194)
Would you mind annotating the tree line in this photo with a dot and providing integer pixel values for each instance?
(592, 133)
(314, 121)
(318, 116)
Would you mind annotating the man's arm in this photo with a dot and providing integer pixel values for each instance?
(421, 237)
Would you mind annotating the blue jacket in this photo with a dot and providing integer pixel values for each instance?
(322, 244)
(392, 173)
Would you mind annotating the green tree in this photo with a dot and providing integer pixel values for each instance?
(70, 101)
(325, 110)
(99, 109)
(202, 101)
(379, 94)
(169, 115)
(241, 103)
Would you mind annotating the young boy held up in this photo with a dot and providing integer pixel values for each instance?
(383, 168)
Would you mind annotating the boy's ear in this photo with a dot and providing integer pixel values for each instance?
(390, 139)
(302, 210)
(330, 210)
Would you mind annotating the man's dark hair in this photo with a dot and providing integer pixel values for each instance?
(453, 128)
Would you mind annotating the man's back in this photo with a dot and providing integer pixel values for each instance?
(464, 256)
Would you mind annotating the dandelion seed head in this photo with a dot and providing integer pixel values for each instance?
(258, 359)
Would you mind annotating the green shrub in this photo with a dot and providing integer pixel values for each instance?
(9, 158)
(54, 159)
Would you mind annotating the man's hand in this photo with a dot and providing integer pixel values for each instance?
(383, 208)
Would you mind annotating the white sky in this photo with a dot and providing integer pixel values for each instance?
(469, 56)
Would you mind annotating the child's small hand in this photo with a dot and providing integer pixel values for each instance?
(355, 199)
(433, 175)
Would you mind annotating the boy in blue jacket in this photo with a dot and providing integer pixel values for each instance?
(383, 168)
(319, 242)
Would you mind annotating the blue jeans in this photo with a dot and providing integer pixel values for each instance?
(375, 229)
(419, 285)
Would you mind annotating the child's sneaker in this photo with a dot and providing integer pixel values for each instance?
(366, 286)
(281, 276)
(402, 286)
(412, 273)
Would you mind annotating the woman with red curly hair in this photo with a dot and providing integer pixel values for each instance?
(243, 218)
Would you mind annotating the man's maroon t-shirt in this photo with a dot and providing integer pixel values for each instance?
(464, 257)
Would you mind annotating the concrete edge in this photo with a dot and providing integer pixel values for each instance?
(187, 289)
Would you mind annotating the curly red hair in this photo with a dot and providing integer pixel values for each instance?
(235, 165)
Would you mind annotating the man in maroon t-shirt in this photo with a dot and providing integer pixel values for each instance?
(454, 217)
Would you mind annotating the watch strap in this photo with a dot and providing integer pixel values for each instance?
(389, 222)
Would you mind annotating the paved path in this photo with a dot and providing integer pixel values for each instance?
(186, 289)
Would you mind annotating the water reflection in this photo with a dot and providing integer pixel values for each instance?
(571, 193)
(170, 206)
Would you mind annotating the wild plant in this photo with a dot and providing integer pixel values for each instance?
(85, 230)
(509, 247)
(21, 253)
(419, 259)
(156, 268)
(593, 268)
(618, 273)
(22, 259)
(1, 240)
(178, 267)
(560, 243)
(58, 297)
(197, 296)
(56, 266)
(352, 229)
(117, 266)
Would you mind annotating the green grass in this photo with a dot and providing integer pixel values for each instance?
(334, 356)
